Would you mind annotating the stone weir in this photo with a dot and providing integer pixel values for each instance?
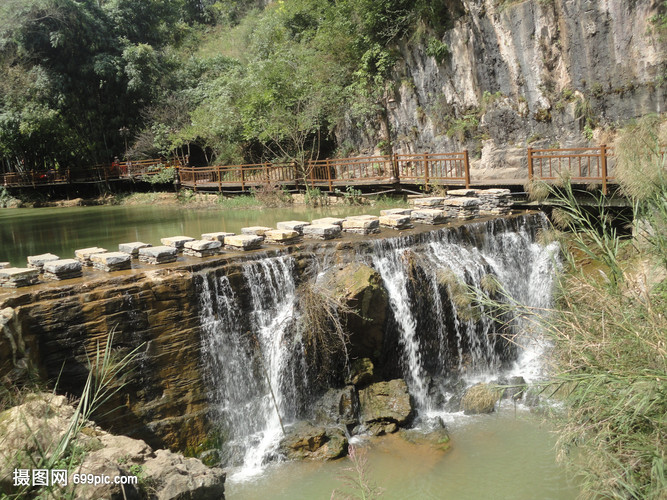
(52, 329)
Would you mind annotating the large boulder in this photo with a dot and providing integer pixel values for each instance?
(306, 441)
(360, 286)
(361, 372)
(480, 398)
(338, 406)
(33, 431)
(385, 406)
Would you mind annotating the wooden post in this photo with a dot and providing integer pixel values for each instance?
(219, 179)
(425, 170)
(603, 163)
(466, 165)
(242, 178)
(266, 166)
(530, 164)
(328, 167)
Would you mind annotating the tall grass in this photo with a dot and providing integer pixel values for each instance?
(610, 332)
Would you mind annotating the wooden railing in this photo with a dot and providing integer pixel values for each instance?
(577, 164)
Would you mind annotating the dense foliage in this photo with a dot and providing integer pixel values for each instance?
(85, 80)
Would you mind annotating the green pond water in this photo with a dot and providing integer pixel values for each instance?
(503, 456)
(33, 231)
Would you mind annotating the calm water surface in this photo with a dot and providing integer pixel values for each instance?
(33, 231)
(493, 457)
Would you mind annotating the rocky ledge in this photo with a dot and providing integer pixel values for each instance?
(34, 436)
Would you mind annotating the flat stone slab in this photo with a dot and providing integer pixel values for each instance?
(396, 211)
(363, 224)
(38, 261)
(199, 245)
(322, 231)
(111, 261)
(177, 242)
(282, 236)
(328, 220)
(158, 255)
(432, 202)
(462, 201)
(462, 192)
(16, 277)
(63, 269)
(429, 216)
(495, 192)
(396, 221)
(4, 265)
(244, 242)
(293, 225)
(255, 230)
(133, 247)
(84, 254)
(219, 236)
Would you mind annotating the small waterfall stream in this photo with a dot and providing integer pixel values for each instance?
(257, 363)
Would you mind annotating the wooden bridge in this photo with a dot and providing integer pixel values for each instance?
(580, 165)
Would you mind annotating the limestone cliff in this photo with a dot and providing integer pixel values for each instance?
(507, 74)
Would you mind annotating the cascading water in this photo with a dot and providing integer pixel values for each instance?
(254, 364)
(504, 249)
(257, 362)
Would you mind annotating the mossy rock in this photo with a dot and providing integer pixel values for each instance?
(480, 398)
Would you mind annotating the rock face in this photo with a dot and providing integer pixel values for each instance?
(516, 73)
(385, 405)
(338, 406)
(305, 441)
(41, 422)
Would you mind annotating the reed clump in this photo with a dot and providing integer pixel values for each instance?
(609, 329)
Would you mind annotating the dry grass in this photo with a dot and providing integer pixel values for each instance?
(480, 398)
(537, 190)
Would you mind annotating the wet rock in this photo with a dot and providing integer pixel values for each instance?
(243, 242)
(328, 221)
(177, 242)
(362, 224)
(338, 406)
(17, 277)
(282, 236)
(4, 265)
(429, 216)
(385, 403)
(202, 248)
(38, 261)
(293, 225)
(438, 438)
(515, 387)
(396, 211)
(63, 269)
(305, 441)
(322, 231)
(158, 255)
(461, 207)
(396, 221)
(219, 236)
(361, 372)
(480, 398)
(83, 255)
(432, 202)
(133, 248)
(255, 230)
(111, 261)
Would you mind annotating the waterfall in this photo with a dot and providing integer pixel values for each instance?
(254, 370)
(257, 364)
(504, 249)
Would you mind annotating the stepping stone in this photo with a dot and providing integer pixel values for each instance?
(396, 221)
(178, 242)
(220, 236)
(362, 224)
(4, 265)
(17, 277)
(243, 242)
(495, 201)
(322, 231)
(255, 230)
(293, 225)
(111, 261)
(433, 202)
(133, 248)
(84, 254)
(282, 237)
(396, 211)
(328, 220)
(38, 261)
(63, 269)
(428, 216)
(463, 207)
(158, 255)
(462, 192)
(203, 248)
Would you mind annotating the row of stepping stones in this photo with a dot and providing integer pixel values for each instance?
(52, 267)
